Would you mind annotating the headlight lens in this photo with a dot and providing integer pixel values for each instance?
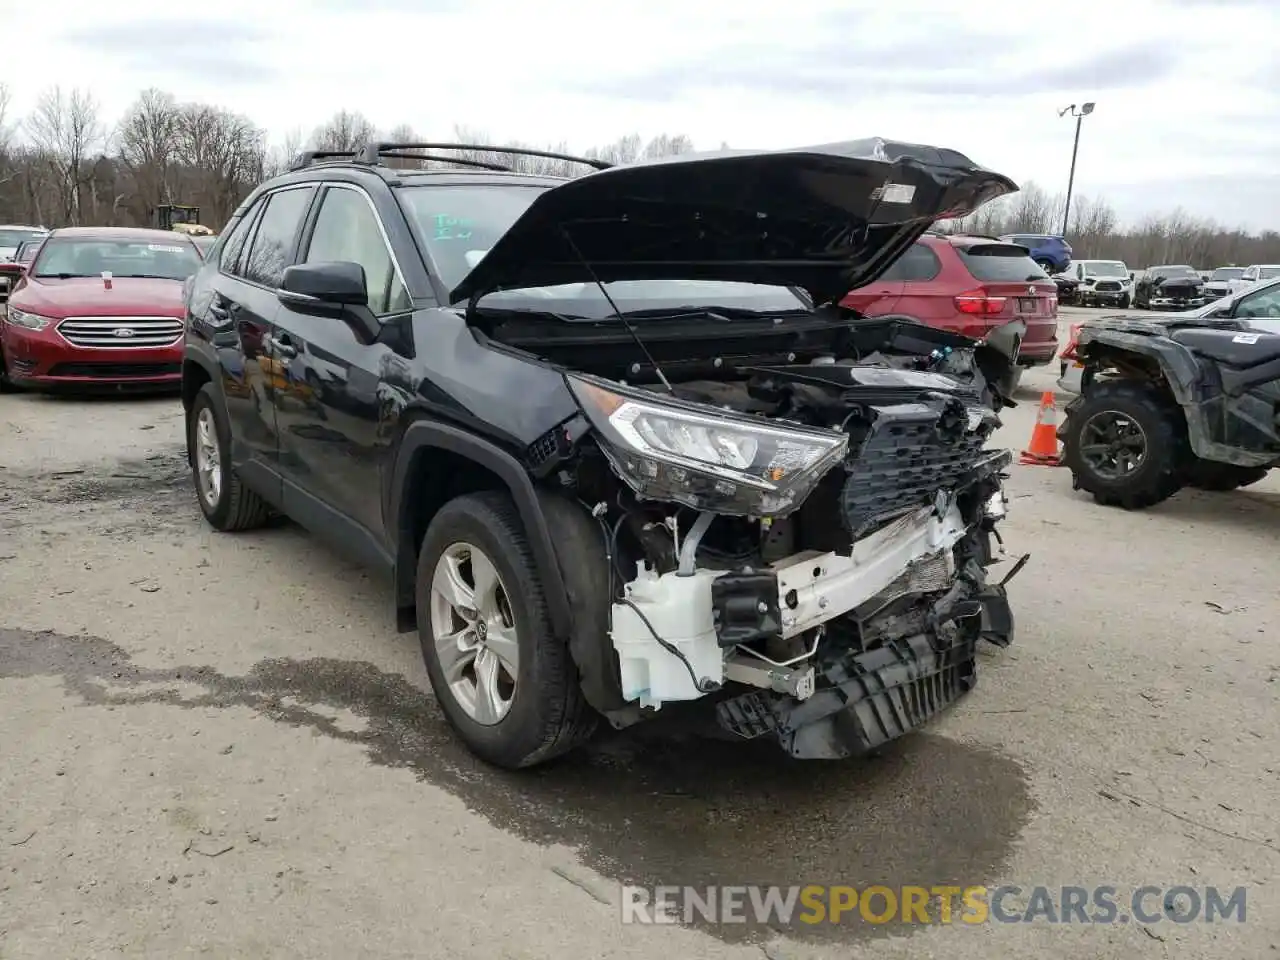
(700, 457)
(32, 321)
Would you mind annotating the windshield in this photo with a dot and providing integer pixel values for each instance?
(1106, 268)
(82, 257)
(460, 224)
(12, 238)
(1180, 273)
(1228, 273)
(1268, 273)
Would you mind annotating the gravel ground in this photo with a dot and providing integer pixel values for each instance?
(219, 745)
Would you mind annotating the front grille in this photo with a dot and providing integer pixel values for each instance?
(1107, 286)
(118, 333)
(909, 454)
(114, 371)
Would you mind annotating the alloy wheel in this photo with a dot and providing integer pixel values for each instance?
(1112, 444)
(474, 633)
(208, 458)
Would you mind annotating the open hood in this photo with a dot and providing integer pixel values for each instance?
(827, 219)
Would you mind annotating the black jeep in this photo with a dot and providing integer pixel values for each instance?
(613, 437)
(1192, 400)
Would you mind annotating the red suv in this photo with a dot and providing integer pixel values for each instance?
(969, 285)
(99, 306)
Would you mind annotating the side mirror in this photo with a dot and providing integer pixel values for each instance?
(335, 288)
(324, 286)
(14, 270)
(1131, 276)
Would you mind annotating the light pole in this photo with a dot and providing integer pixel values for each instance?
(1080, 114)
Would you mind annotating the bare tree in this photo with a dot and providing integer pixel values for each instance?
(147, 141)
(345, 130)
(224, 154)
(65, 129)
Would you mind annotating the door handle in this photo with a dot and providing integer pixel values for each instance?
(281, 347)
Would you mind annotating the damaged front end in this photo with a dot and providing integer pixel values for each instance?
(806, 544)
(797, 504)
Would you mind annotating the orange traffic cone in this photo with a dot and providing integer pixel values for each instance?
(1043, 451)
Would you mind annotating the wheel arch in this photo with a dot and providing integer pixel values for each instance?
(437, 462)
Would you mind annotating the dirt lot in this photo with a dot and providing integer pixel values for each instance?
(218, 745)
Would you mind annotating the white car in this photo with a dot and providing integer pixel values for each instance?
(1224, 281)
(1257, 273)
(1101, 283)
(1239, 305)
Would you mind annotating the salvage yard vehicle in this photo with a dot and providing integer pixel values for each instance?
(1187, 400)
(1223, 282)
(969, 285)
(1175, 287)
(614, 440)
(1050, 251)
(1102, 283)
(99, 307)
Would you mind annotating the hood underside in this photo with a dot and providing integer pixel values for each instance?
(826, 219)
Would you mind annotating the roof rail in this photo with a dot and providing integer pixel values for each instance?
(372, 153)
(308, 157)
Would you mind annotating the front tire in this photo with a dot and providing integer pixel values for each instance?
(1126, 443)
(505, 682)
(1220, 477)
(1125, 302)
(227, 504)
(6, 385)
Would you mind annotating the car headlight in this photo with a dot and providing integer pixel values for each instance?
(32, 321)
(703, 458)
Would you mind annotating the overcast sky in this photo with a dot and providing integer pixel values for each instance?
(1188, 92)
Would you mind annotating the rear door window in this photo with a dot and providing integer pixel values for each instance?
(917, 264)
(275, 240)
(1000, 263)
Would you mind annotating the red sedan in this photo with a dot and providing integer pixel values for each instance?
(99, 307)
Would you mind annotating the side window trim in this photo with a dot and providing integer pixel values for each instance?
(293, 252)
(249, 224)
(313, 217)
(305, 247)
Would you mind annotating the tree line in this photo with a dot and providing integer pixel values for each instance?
(66, 163)
(1095, 233)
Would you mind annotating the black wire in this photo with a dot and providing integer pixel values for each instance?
(609, 541)
(698, 685)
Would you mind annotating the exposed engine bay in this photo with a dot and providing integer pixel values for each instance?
(800, 536)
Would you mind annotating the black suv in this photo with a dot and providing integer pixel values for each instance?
(612, 435)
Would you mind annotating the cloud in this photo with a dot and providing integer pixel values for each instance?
(225, 50)
(823, 69)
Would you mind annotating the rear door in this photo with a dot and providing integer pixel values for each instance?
(880, 297)
(248, 302)
(243, 302)
(926, 296)
(330, 417)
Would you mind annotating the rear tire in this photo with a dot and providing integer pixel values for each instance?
(1046, 266)
(224, 500)
(1220, 477)
(538, 711)
(1126, 443)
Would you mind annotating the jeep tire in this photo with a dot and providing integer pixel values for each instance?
(543, 713)
(1126, 443)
